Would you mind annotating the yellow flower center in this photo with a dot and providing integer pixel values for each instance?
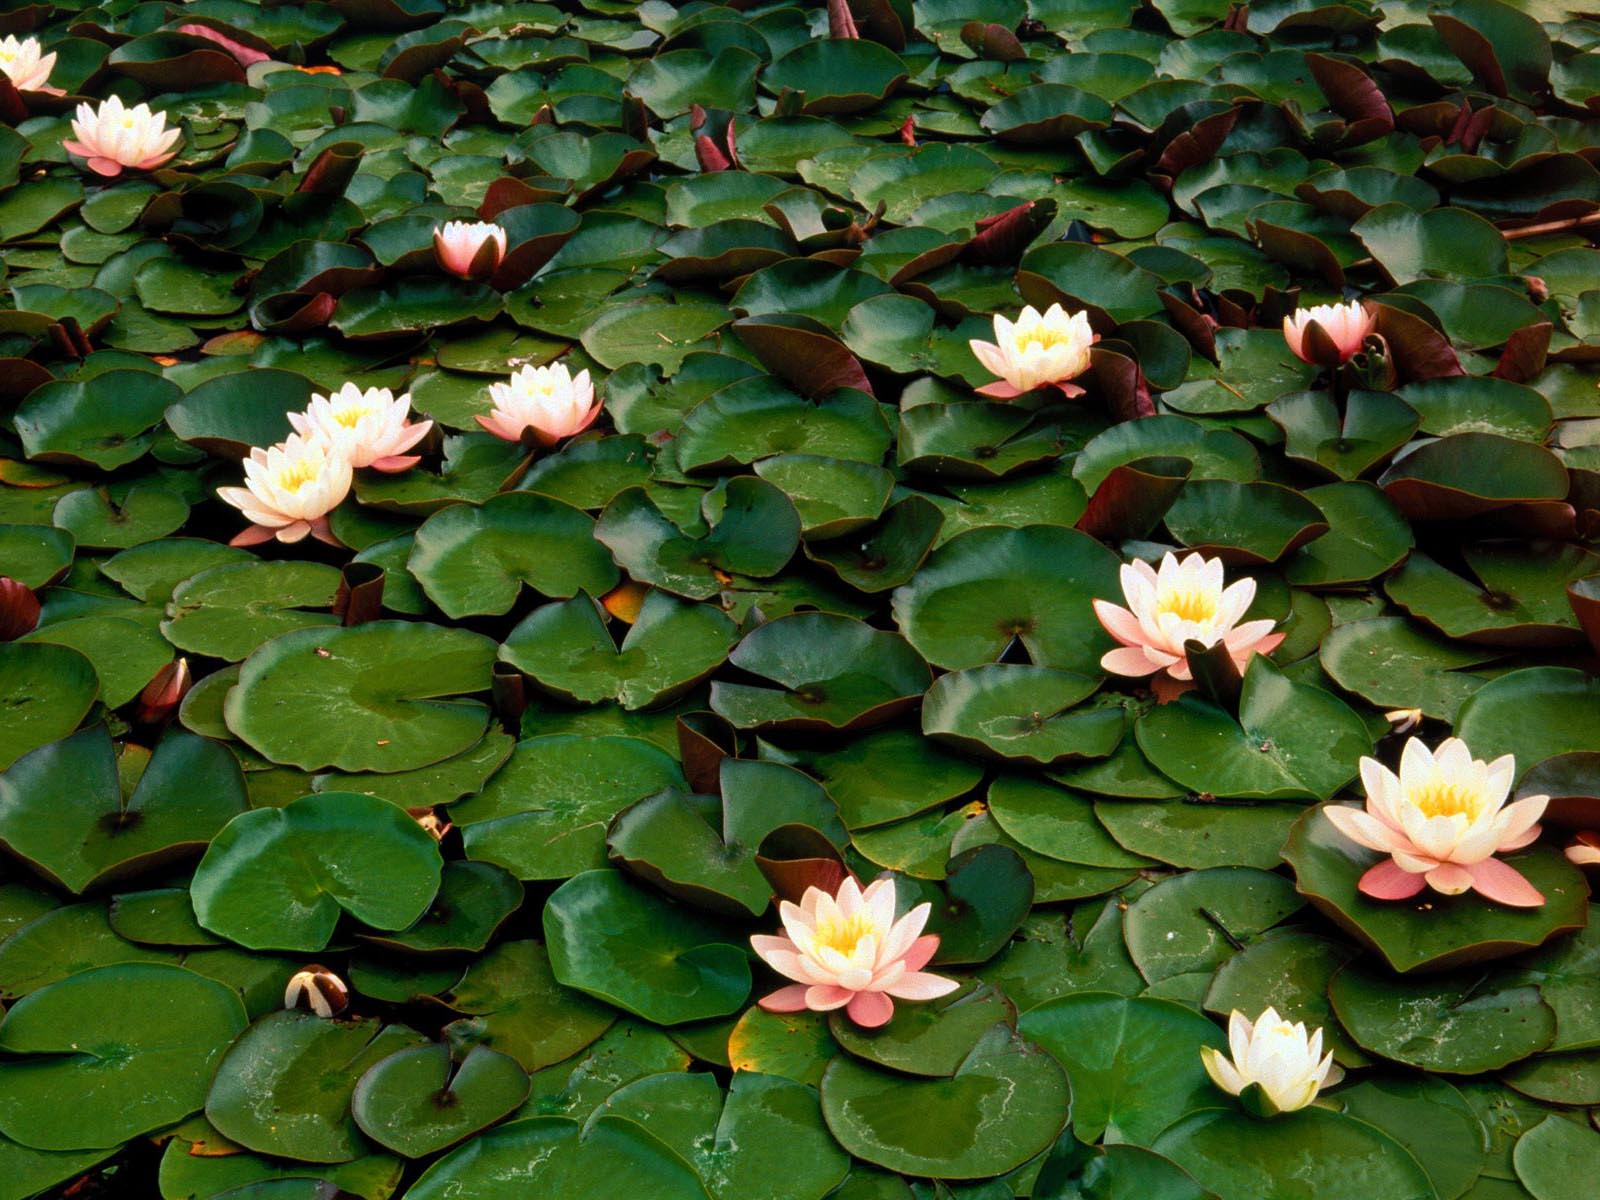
(1188, 604)
(1440, 799)
(1043, 336)
(295, 476)
(351, 417)
(843, 936)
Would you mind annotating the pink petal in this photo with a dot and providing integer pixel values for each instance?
(1387, 881)
(1504, 883)
(1069, 390)
(870, 1009)
(253, 536)
(1128, 660)
(395, 463)
(921, 951)
(919, 985)
(1363, 829)
(1167, 689)
(824, 997)
(1450, 878)
(999, 391)
(1517, 841)
(109, 167)
(785, 999)
(1119, 622)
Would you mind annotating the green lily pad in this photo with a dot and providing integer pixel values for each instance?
(1556, 1158)
(1197, 921)
(1394, 664)
(104, 421)
(514, 1005)
(1289, 970)
(1029, 714)
(132, 1045)
(833, 673)
(46, 690)
(387, 694)
(610, 938)
(1291, 740)
(285, 1085)
(62, 806)
(419, 1101)
(544, 814)
(279, 878)
(227, 611)
(984, 589)
(1535, 713)
(1135, 1063)
(1005, 1102)
(475, 560)
(568, 650)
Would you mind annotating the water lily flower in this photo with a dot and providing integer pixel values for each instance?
(114, 138)
(1037, 349)
(1403, 720)
(470, 249)
(1585, 850)
(289, 490)
(164, 693)
(1184, 600)
(1277, 1067)
(1343, 328)
(23, 64)
(317, 990)
(549, 402)
(1442, 820)
(372, 428)
(848, 951)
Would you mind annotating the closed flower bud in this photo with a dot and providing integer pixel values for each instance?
(317, 990)
(163, 694)
(19, 609)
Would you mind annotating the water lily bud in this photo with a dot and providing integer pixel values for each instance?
(1277, 1067)
(317, 990)
(546, 403)
(1442, 820)
(114, 138)
(1403, 720)
(1328, 334)
(470, 249)
(1037, 350)
(1538, 289)
(163, 694)
(1167, 608)
(435, 825)
(19, 609)
(848, 951)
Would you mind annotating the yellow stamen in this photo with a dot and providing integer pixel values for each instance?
(294, 477)
(1043, 336)
(844, 935)
(351, 417)
(1439, 799)
(1189, 604)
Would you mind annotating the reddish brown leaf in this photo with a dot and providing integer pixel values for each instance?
(1525, 353)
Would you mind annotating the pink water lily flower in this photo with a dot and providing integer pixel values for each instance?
(27, 68)
(372, 428)
(548, 402)
(289, 490)
(1184, 600)
(848, 951)
(1035, 350)
(1346, 327)
(114, 138)
(470, 249)
(1442, 820)
(1585, 849)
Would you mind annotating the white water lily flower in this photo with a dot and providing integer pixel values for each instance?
(1277, 1067)
(1035, 350)
(373, 427)
(289, 490)
(470, 249)
(1442, 820)
(548, 401)
(114, 138)
(1182, 601)
(848, 951)
(23, 64)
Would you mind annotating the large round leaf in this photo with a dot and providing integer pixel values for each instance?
(62, 806)
(614, 940)
(110, 1053)
(45, 691)
(473, 560)
(987, 588)
(418, 1101)
(387, 696)
(279, 878)
(1536, 713)
(1005, 1103)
